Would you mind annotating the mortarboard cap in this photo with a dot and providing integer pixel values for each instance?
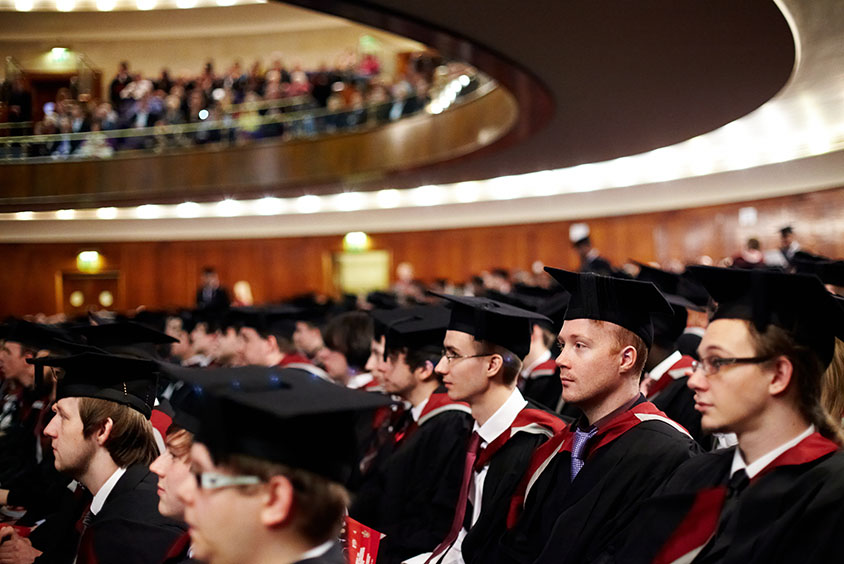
(416, 328)
(270, 320)
(798, 303)
(828, 270)
(495, 322)
(35, 335)
(122, 333)
(122, 379)
(282, 415)
(786, 230)
(628, 303)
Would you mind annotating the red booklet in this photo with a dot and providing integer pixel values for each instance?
(361, 542)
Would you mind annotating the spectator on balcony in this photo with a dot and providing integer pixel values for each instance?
(119, 82)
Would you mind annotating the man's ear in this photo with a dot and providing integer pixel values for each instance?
(424, 372)
(494, 364)
(277, 503)
(628, 357)
(782, 374)
(104, 432)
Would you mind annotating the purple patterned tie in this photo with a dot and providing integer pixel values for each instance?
(577, 448)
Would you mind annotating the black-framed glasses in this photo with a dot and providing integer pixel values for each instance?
(712, 364)
(451, 357)
(215, 480)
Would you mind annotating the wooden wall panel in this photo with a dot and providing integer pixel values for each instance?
(165, 274)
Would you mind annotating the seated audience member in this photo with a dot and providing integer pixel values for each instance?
(347, 339)
(308, 338)
(173, 467)
(28, 477)
(480, 363)
(266, 337)
(583, 484)
(101, 436)
(776, 496)
(262, 492)
(412, 496)
(667, 368)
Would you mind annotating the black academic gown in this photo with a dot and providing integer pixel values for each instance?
(413, 499)
(568, 522)
(791, 512)
(129, 529)
(544, 390)
(506, 468)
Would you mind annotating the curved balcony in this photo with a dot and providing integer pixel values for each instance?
(257, 148)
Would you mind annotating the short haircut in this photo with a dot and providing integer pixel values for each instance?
(131, 440)
(351, 335)
(626, 338)
(319, 505)
(178, 441)
(511, 363)
(417, 358)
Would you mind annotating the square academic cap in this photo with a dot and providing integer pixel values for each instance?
(495, 322)
(122, 379)
(798, 303)
(276, 319)
(415, 327)
(628, 303)
(283, 415)
(35, 335)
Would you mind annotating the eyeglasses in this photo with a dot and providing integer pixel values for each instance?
(215, 481)
(712, 364)
(451, 357)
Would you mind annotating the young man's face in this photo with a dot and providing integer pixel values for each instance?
(254, 348)
(73, 452)
(171, 471)
(464, 378)
(588, 361)
(222, 522)
(376, 364)
(334, 363)
(13, 363)
(398, 377)
(203, 341)
(733, 398)
(307, 338)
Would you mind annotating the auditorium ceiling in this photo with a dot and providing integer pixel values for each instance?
(623, 107)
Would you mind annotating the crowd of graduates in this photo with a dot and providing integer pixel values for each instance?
(595, 417)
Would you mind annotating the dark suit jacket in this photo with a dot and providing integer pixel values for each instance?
(129, 529)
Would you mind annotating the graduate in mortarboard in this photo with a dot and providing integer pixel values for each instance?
(27, 476)
(776, 497)
(102, 438)
(675, 349)
(583, 484)
(482, 356)
(269, 460)
(411, 496)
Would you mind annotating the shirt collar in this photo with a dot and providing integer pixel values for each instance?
(416, 410)
(101, 496)
(503, 418)
(317, 551)
(542, 358)
(663, 366)
(762, 462)
(581, 422)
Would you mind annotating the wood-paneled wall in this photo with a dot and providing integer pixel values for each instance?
(163, 274)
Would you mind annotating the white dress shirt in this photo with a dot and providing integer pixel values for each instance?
(755, 467)
(494, 427)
